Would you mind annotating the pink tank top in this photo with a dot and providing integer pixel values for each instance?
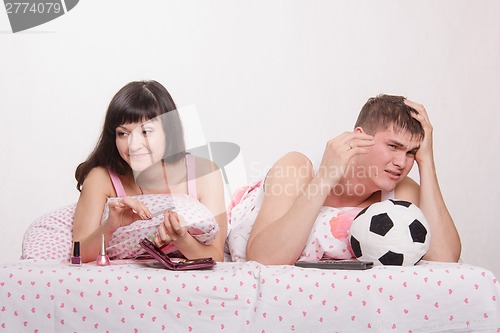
(191, 179)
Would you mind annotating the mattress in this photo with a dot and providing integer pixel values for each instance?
(139, 296)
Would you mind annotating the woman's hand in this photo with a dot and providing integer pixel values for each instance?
(172, 229)
(338, 153)
(125, 211)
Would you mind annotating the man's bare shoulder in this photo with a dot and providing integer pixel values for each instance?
(409, 190)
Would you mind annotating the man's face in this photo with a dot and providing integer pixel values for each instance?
(391, 158)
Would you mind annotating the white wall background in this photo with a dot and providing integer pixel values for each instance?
(271, 76)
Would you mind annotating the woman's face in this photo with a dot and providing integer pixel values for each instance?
(141, 144)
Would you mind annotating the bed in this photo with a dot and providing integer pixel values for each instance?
(139, 296)
(50, 295)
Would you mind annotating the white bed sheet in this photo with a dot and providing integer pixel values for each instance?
(49, 296)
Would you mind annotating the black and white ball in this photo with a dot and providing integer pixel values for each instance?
(390, 232)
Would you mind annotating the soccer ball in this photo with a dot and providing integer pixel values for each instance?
(391, 232)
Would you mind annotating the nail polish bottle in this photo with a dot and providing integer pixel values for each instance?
(102, 258)
(76, 260)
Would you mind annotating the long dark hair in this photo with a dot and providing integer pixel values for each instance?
(137, 101)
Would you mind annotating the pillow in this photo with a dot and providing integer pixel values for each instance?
(328, 237)
(241, 217)
(50, 236)
(200, 223)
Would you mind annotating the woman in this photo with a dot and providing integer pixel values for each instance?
(141, 151)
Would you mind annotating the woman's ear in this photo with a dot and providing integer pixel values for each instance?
(359, 130)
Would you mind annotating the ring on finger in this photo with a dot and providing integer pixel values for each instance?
(349, 144)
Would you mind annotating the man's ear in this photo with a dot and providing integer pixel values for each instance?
(359, 130)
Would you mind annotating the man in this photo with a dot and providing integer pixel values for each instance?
(358, 168)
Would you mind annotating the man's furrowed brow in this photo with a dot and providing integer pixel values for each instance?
(402, 146)
(397, 143)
